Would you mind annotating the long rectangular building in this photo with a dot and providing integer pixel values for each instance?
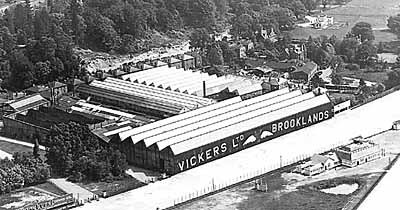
(185, 141)
(142, 98)
(193, 82)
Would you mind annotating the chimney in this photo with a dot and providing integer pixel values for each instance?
(204, 89)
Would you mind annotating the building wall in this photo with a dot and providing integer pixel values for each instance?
(23, 131)
(364, 155)
(235, 143)
(166, 161)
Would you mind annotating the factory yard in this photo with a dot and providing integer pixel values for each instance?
(330, 190)
(374, 12)
(366, 120)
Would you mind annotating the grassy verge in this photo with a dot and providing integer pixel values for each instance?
(379, 77)
(50, 188)
(309, 196)
(114, 187)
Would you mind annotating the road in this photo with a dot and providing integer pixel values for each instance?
(366, 120)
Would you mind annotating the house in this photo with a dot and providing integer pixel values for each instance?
(304, 72)
(359, 152)
(318, 164)
(274, 83)
(269, 34)
(298, 50)
(321, 21)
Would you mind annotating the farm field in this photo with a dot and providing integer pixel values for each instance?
(374, 12)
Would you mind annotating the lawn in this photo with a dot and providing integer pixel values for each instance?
(22, 197)
(309, 196)
(379, 77)
(114, 187)
(50, 188)
(371, 11)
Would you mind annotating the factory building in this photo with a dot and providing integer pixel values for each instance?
(141, 98)
(195, 82)
(194, 138)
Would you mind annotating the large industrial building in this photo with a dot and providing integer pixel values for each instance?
(195, 82)
(141, 98)
(193, 138)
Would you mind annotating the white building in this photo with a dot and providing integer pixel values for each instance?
(320, 21)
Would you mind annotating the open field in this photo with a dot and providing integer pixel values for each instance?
(379, 77)
(374, 12)
(112, 188)
(291, 191)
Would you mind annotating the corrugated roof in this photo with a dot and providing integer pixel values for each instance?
(158, 92)
(28, 102)
(248, 124)
(269, 107)
(212, 118)
(153, 127)
(145, 96)
(184, 81)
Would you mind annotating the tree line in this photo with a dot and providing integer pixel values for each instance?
(74, 152)
(25, 169)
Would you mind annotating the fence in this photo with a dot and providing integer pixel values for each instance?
(215, 187)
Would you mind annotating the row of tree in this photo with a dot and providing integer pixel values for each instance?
(23, 170)
(74, 152)
(35, 47)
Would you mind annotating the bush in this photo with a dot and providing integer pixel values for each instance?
(73, 151)
(24, 170)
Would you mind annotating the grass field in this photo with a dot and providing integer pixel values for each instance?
(112, 188)
(379, 77)
(374, 12)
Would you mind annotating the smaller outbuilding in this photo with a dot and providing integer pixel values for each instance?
(318, 164)
(396, 125)
(304, 72)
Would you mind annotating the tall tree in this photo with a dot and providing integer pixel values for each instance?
(310, 4)
(364, 31)
(201, 14)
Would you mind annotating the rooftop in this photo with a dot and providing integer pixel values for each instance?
(357, 145)
(28, 102)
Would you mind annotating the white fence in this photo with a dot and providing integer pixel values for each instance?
(214, 187)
